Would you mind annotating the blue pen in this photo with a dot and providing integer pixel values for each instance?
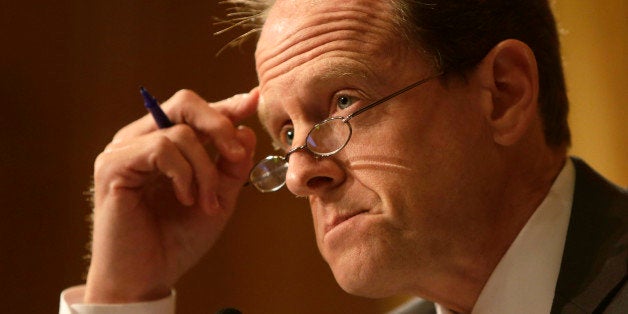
(155, 110)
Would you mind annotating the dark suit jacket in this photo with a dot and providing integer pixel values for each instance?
(592, 276)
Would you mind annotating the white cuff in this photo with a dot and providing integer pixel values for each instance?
(72, 298)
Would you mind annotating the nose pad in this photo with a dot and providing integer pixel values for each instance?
(309, 174)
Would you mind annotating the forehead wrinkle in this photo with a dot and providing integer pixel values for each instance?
(318, 24)
(333, 49)
(351, 28)
(288, 28)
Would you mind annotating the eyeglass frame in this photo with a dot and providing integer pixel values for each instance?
(286, 157)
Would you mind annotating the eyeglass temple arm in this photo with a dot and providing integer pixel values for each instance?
(393, 95)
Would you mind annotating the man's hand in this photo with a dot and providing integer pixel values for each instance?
(161, 200)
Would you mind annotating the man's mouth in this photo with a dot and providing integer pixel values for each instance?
(339, 219)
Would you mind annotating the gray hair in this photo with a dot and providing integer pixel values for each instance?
(246, 14)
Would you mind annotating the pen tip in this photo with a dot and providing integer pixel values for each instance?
(149, 100)
(145, 93)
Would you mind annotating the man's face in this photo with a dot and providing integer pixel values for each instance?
(394, 205)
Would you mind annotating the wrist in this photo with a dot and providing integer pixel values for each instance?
(107, 290)
(100, 295)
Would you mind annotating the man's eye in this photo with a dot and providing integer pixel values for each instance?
(287, 135)
(344, 101)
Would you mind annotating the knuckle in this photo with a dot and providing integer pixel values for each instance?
(160, 145)
(102, 166)
(182, 104)
(222, 122)
(100, 162)
(120, 134)
(184, 132)
(185, 95)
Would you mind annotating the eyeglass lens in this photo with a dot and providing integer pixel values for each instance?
(269, 175)
(325, 139)
(328, 137)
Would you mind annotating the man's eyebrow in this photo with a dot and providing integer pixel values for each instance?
(340, 71)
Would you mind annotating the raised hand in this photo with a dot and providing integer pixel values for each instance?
(163, 196)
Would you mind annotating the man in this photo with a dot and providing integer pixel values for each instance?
(454, 185)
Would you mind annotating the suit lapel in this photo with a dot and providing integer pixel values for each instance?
(593, 268)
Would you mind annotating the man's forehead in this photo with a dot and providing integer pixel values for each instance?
(283, 15)
(297, 31)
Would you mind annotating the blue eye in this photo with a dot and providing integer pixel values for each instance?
(344, 101)
(287, 135)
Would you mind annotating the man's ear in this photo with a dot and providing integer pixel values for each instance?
(509, 72)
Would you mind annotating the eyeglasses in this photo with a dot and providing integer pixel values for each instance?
(325, 139)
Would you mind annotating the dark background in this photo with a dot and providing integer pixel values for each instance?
(69, 78)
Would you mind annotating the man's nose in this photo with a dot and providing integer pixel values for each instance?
(309, 175)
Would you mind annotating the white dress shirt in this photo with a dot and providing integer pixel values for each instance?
(523, 281)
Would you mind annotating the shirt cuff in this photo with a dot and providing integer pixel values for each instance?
(72, 303)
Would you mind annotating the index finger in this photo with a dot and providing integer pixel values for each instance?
(234, 109)
(239, 106)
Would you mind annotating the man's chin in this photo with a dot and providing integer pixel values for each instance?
(363, 289)
(361, 282)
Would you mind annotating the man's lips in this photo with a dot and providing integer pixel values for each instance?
(339, 219)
